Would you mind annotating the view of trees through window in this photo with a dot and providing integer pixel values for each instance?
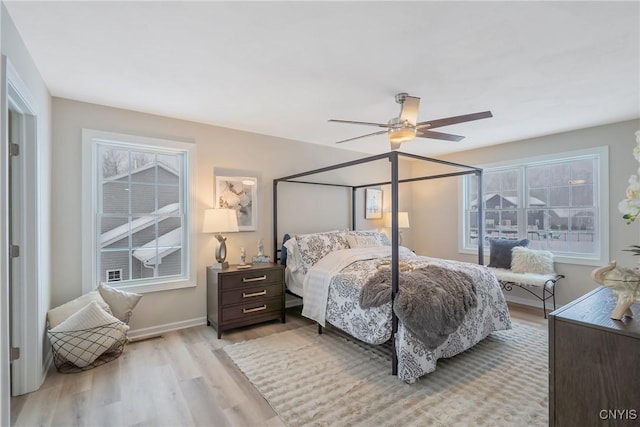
(553, 204)
(140, 213)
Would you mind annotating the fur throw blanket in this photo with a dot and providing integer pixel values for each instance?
(431, 302)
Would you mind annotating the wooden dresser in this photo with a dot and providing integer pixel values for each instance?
(594, 364)
(240, 297)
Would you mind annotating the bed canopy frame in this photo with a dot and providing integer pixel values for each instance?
(394, 181)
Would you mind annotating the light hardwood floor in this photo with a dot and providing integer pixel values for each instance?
(182, 378)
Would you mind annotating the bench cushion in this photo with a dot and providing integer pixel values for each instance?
(527, 279)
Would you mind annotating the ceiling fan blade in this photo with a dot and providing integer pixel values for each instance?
(438, 135)
(432, 124)
(409, 111)
(362, 136)
(351, 122)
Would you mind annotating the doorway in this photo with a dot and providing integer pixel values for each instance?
(26, 323)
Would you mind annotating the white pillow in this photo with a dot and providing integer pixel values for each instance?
(75, 340)
(525, 260)
(356, 241)
(294, 261)
(381, 237)
(61, 313)
(121, 303)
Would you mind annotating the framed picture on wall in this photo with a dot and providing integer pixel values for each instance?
(239, 193)
(372, 204)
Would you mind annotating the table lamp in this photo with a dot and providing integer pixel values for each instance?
(220, 221)
(403, 222)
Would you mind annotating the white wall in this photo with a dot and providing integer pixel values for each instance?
(310, 209)
(15, 51)
(433, 205)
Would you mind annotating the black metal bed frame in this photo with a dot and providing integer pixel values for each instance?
(394, 158)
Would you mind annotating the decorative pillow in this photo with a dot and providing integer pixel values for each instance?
(525, 260)
(356, 241)
(283, 250)
(120, 302)
(381, 237)
(313, 247)
(83, 349)
(293, 254)
(61, 313)
(500, 251)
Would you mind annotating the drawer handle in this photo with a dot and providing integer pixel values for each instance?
(253, 310)
(255, 294)
(254, 279)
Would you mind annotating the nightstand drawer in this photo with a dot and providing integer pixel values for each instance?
(255, 309)
(248, 278)
(251, 294)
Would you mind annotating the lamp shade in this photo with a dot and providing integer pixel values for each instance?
(220, 221)
(403, 220)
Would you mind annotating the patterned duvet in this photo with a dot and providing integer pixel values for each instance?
(374, 325)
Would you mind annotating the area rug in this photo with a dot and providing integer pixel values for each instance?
(335, 380)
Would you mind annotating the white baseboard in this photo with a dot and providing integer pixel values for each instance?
(530, 302)
(526, 301)
(154, 331)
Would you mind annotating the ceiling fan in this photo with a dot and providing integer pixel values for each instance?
(406, 127)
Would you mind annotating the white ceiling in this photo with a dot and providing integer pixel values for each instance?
(285, 68)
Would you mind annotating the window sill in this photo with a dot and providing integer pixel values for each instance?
(145, 288)
(558, 259)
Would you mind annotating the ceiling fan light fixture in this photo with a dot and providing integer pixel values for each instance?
(401, 135)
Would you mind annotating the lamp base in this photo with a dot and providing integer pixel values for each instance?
(220, 265)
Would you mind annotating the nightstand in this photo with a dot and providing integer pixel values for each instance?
(241, 297)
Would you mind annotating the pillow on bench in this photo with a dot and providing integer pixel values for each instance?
(500, 251)
(525, 260)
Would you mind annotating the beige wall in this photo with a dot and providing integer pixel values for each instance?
(433, 205)
(301, 209)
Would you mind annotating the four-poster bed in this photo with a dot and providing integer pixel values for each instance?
(416, 360)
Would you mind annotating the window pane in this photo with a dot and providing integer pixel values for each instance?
(114, 260)
(582, 195)
(143, 198)
(114, 232)
(115, 163)
(168, 194)
(559, 174)
(143, 167)
(582, 170)
(559, 196)
(115, 197)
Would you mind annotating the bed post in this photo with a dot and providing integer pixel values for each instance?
(275, 221)
(480, 219)
(395, 271)
(353, 208)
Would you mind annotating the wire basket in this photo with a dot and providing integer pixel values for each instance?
(84, 349)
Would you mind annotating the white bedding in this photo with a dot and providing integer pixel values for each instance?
(317, 280)
(294, 281)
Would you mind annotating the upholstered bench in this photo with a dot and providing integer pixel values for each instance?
(541, 286)
(514, 264)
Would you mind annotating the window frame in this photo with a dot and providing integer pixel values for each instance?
(601, 184)
(91, 141)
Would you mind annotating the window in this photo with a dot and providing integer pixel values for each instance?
(114, 275)
(136, 221)
(557, 203)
